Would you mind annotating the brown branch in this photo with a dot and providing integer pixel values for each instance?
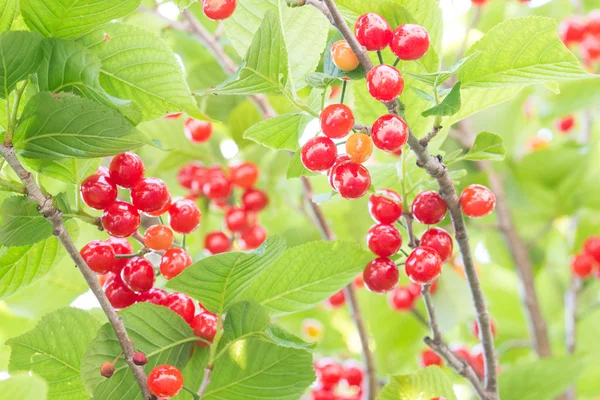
(205, 382)
(433, 133)
(412, 239)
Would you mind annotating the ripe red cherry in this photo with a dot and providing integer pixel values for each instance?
(338, 161)
(118, 294)
(138, 274)
(429, 357)
(462, 353)
(572, 30)
(163, 210)
(439, 240)
(583, 265)
(385, 206)
(423, 265)
(385, 83)
(174, 261)
(323, 394)
(197, 131)
(165, 381)
(155, 296)
(158, 237)
(318, 154)
(477, 201)
(184, 216)
(389, 133)
(181, 304)
(410, 42)
(218, 9)
(329, 373)
(126, 169)
(98, 191)
(244, 175)
(479, 2)
(99, 256)
(336, 300)
(593, 24)
(402, 299)
(190, 173)
(121, 246)
(351, 180)
(373, 32)
(475, 328)
(252, 237)
(384, 240)
(217, 185)
(254, 200)
(590, 49)
(353, 374)
(337, 121)
(381, 275)
(429, 208)
(565, 124)
(592, 247)
(236, 219)
(477, 361)
(150, 195)
(205, 327)
(217, 243)
(121, 219)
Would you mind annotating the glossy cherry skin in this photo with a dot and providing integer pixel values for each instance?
(582, 265)
(121, 246)
(99, 256)
(565, 124)
(181, 304)
(439, 240)
(572, 30)
(98, 191)
(373, 32)
(385, 83)
(475, 328)
(150, 195)
(359, 147)
(121, 219)
(218, 10)
(479, 3)
(592, 247)
(197, 131)
(236, 219)
(429, 357)
(389, 133)
(477, 201)
(343, 57)
(402, 299)
(217, 243)
(593, 23)
(244, 175)
(353, 374)
(329, 372)
(118, 294)
(318, 154)
(252, 237)
(323, 394)
(336, 300)
(410, 42)
(385, 206)
(154, 296)
(423, 265)
(126, 169)
(340, 159)
(184, 216)
(429, 208)
(138, 274)
(381, 275)
(205, 327)
(351, 180)
(254, 200)
(337, 121)
(165, 381)
(158, 237)
(174, 261)
(384, 240)
(190, 173)
(217, 185)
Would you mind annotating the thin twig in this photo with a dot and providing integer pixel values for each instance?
(433, 133)
(571, 297)
(413, 242)
(205, 382)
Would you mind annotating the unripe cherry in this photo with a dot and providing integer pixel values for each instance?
(107, 369)
(359, 147)
(423, 265)
(343, 57)
(158, 237)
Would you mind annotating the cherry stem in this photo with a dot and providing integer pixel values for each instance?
(404, 252)
(344, 84)
(380, 56)
(190, 391)
(397, 62)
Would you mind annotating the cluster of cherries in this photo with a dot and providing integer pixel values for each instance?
(164, 381)
(480, 3)
(587, 263)
(337, 381)
(583, 32)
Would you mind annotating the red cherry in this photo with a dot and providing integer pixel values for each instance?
(323, 394)
(165, 381)
(477, 361)
(429, 208)
(252, 237)
(150, 195)
(338, 161)
(329, 373)
(318, 154)
(254, 200)
(98, 191)
(181, 304)
(385, 83)
(173, 262)
(423, 265)
(103, 171)
(439, 240)
(205, 327)
(385, 206)
(384, 240)
(429, 357)
(359, 281)
(337, 121)
(477, 201)
(590, 49)
(479, 2)
(582, 265)
(118, 294)
(217, 186)
(184, 216)
(336, 300)
(173, 115)
(121, 219)
(236, 219)
(99, 256)
(197, 131)
(565, 124)
(572, 30)
(158, 237)
(373, 32)
(218, 10)
(410, 42)
(415, 289)
(217, 243)
(121, 246)
(381, 275)
(353, 374)
(402, 299)
(244, 175)
(190, 173)
(163, 210)
(462, 353)
(155, 296)
(138, 274)
(593, 25)
(126, 169)
(351, 180)
(475, 328)
(140, 359)
(592, 247)
(390, 133)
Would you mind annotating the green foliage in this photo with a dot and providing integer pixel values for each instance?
(69, 170)
(23, 387)
(9, 10)
(281, 132)
(449, 106)
(22, 224)
(23, 53)
(425, 384)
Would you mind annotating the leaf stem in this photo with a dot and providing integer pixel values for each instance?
(11, 122)
(344, 84)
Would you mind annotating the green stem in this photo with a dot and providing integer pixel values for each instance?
(215, 344)
(344, 84)
(296, 103)
(380, 57)
(190, 391)
(396, 62)
(11, 123)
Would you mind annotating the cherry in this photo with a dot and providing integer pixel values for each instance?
(121, 219)
(384, 240)
(572, 30)
(217, 186)
(252, 237)
(410, 42)
(477, 201)
(205, 327)
(174, 261)
(107, 369)
(373, 32)
(479, 2)
(150, 195)
(329, 373)
(462, 353)
(359, 147)
(323, 394)
(126, 169)
(154, 296)
(138, 274)
(477, 361)
(184, 216)
(423, 265)
(390, 133)
(475, 328)
(565, 124)
(165, 381)
(353, 374)
(254, 200)
(402, 299)
(217, 243)
(140, 359)
(99, 256)
(593, 24)
(236, 219)
(351, 180)
(244, 175)
(118, 294)
(181, 304)
(359, 281)
(343, 57)
(158, 237)
(429, 208)
(385, 83)
(429, 357)
(338, 161)
(590, 49)
(218, 10)
(98, 191)
(439, 240)
(381, 275)
(318, 154)
(385, 206)
(337, 121)
(173, 115)
(163, 210)
(582, 265)
(592, 247)
(190, 173)
(336, 300)
(103, 171)
(121, 247)
(197, 131)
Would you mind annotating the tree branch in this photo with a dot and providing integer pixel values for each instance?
(571, 297)
(205, 382)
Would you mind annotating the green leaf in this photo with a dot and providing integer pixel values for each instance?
(220, 280)
(22, 52)
(22, 223)
(487, 146)
(244, 319)
(242, 26)
(281, 337)
(65, 125)
(184, 3)
(8, 13)
(137, 65)
(296, 169)
(437, 78)
(281, 132)
(426, 384)
(54, 349)
(23, 387)
(449, 106)
(366, 108)
(320, 79)
(69, 170)
(69, 20)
